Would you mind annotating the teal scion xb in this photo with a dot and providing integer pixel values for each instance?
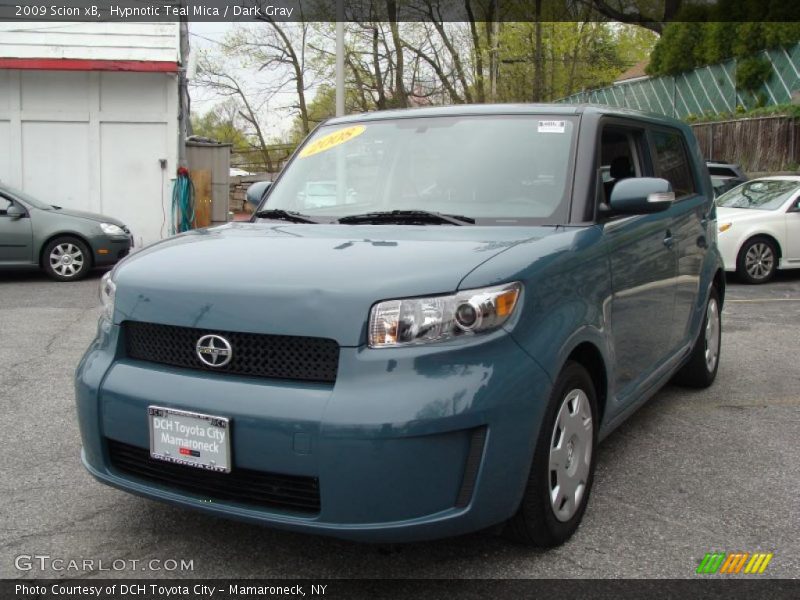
(428, 325)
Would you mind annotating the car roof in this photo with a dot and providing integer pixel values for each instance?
(503, 109)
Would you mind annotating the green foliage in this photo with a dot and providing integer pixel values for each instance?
(220, 124)
(716, 44)
(678, 49)
(752, 72)
(575, 56)
(688, 45)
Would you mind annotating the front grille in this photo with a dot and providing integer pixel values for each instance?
(288, 492)
(257, 355)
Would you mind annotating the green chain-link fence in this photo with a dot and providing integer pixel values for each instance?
(703, 91)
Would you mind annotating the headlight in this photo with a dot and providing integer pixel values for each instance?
(724, 227)
(108, 290)
(111, 229)
(437, 318)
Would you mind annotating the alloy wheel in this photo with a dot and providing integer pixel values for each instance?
(759, 261)
(66, 259)
(570, 454)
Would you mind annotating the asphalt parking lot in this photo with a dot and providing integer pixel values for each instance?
(690, 473)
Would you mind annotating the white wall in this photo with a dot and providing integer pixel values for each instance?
(92, 141)
(101, 41)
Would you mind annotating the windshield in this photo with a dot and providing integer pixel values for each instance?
(496, 170)
(26, 198)
(764, 194)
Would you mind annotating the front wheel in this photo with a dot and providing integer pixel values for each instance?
(563, 466)
(66, 259)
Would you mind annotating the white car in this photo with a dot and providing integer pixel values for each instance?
(759, 227)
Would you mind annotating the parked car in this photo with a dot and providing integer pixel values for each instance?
(725, 175)
(759, 227)
(65, 243)
(439, 357)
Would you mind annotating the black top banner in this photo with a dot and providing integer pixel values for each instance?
(629, 11)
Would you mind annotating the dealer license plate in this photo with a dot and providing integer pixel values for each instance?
(188, 438)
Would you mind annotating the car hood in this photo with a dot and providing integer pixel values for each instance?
(736, 215)
(304, 280)
(80, 214)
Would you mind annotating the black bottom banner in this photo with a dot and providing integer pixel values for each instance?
(245, 589)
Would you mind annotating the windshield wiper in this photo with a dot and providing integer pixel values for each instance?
(284, 215)
(407, 216)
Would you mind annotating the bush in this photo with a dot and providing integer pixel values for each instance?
(752, 72)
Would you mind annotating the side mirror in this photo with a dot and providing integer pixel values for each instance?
(641, 195)
(255, 193)
(15, 211)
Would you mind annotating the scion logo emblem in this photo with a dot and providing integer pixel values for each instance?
(214, 350)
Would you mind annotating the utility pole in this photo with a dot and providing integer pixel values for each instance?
(537, 59)
(183, 91)
(339, 58)
(494, 63)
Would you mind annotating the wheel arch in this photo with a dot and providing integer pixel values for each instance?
(588, 355)
(71, 234)
(760, 234)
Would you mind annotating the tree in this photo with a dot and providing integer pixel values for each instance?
(216, 74)
(392, 61)
(651, 14)
(221, 123)
(716, 41)
(282, 49)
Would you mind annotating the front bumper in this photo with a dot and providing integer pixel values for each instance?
(392, 442)
(108, 250)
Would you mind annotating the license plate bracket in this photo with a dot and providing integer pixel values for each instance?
(189, 438)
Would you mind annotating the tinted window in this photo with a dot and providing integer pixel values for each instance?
(4, 204)
(722, 171)
(620, 156)
(672, 163)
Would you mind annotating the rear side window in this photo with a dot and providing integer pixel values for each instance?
(722, 171)
(672, 162)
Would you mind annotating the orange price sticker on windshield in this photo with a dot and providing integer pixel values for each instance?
(326, 142)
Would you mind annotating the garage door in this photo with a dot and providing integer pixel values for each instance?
(93, 141)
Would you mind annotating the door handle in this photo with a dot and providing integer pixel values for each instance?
(669, 241)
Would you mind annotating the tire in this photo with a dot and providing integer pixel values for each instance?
(540, 521)
(700, 370)
(757, 260)
(66, 258)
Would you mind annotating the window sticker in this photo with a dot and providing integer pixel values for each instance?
(326, 142)
(552, 126)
